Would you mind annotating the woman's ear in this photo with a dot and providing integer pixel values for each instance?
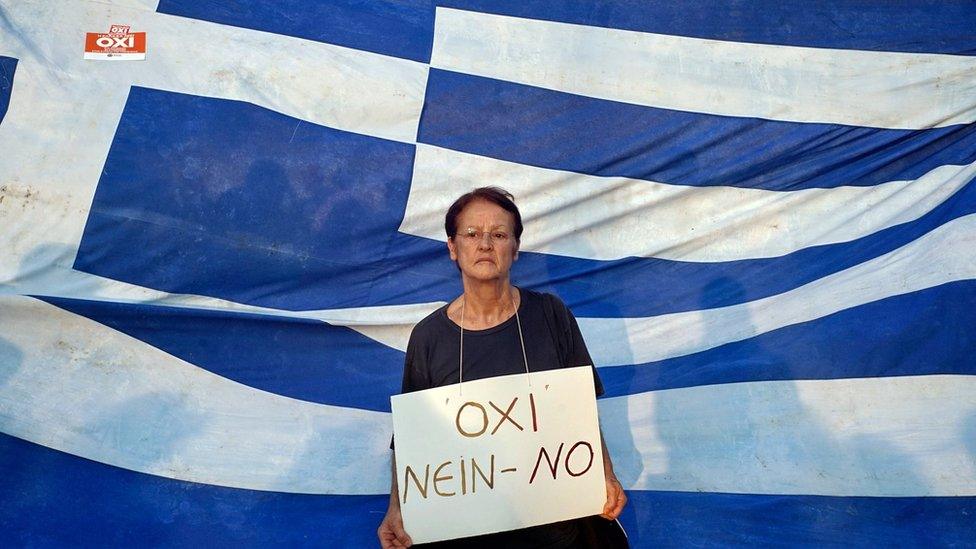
(452, 248)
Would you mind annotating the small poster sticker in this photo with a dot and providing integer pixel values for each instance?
(118, 44)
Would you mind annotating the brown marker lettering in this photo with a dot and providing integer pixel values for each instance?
(406, 485)
(489, 481)
(439, 478)
(553, 464)
(570, 453)
(484, 415)
(505, 415)
(535, 425)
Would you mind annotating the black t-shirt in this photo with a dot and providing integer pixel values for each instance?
(552, 340)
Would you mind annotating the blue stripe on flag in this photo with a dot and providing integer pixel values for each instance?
(558, 130)
(55, 499)
(924, 332)
(401, 28)
(692, 519)
(919, 26)
(8, 66)
(99, 504)
(299, 358)
(207, 196)
(310, 360)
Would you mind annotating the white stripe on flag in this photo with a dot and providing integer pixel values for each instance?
(72, 384)
(607, 218)
(936, 258)
(896, 436)
(799, 84)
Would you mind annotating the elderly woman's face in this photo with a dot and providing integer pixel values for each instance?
(484, 246)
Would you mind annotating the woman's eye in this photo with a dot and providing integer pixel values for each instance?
(500, 236)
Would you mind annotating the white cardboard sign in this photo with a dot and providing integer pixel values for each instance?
(498, 454)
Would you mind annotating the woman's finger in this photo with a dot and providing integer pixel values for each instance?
(401, 534)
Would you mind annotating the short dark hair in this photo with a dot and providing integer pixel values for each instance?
(495, 195)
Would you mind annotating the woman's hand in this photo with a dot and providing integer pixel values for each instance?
(391, 532)
(616, 498)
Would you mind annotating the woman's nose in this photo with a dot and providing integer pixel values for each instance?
(485, 242)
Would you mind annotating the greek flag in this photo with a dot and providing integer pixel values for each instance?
(763, 215)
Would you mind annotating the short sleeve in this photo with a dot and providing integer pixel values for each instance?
(569, 339)
(416, 376)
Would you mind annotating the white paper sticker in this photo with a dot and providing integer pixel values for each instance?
(498, 454)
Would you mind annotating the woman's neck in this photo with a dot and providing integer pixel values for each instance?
(486, 303)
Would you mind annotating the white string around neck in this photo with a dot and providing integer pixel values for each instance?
(518, 322)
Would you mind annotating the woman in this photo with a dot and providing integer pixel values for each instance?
(483, 229)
